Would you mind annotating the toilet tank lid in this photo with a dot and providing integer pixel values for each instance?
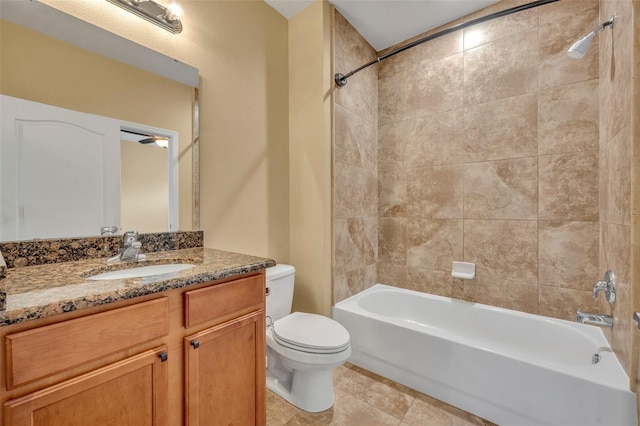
(279, 271)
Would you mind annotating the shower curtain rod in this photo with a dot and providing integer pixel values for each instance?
(341, 79)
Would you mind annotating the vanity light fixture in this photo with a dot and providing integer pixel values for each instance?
(165, 17)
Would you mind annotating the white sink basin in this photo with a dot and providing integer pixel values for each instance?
(141, 271)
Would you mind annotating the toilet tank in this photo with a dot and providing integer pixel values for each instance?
(280, 280)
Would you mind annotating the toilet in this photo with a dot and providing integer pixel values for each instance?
(302, 349)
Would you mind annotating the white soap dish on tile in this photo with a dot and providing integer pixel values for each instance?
(464, 270)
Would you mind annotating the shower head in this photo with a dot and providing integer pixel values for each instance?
(580, 47)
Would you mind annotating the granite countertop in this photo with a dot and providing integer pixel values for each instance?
(40, 291)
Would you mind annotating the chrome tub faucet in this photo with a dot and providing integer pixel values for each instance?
(594, 319)
(131, 249)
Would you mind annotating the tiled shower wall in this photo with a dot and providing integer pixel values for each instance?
(355, 165)
(488, 153)
(616, 138)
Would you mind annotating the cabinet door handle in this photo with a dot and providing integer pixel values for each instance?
(195, 344)
(163, 356)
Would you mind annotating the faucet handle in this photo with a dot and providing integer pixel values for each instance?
(130, 237)
(108, 230)
(608, 285)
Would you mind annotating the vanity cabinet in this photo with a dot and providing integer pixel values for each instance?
(193, 356)
(225, 364)
(133, 391)
(225, 368)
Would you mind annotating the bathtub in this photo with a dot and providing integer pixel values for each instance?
(505, 366)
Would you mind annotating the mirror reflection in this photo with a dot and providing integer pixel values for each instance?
(43, 69)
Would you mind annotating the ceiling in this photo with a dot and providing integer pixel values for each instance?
(384, 23)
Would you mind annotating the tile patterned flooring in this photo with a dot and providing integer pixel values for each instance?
(366, 399)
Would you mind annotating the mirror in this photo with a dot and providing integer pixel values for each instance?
(156, 92)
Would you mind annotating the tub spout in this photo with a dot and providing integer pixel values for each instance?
(594, 319)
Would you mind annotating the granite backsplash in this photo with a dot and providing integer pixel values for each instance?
(15, 254)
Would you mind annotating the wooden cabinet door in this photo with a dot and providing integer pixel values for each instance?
(131, 392)
(225, 374)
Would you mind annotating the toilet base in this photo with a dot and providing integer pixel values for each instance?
(310, 391)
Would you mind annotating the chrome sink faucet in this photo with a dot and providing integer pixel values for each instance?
(131, 249)
(594, 319)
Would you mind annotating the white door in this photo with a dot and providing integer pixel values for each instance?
(59, 171)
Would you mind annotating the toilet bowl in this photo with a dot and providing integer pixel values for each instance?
(302, 348)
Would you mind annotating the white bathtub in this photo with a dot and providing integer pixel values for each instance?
(505, 366)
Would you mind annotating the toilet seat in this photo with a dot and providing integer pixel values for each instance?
(311, 333)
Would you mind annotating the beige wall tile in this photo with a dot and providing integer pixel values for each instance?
(370, 275)
(392, 142)
(393, 98)
(566, 9)
(569, 118)
(435, 87)
(501, 69)
(434, 244)
(623, 326)
(498, 28)
(349, 245)
(563, 303)
(360, 95)
(616, 251)
(569, 254)
(603, 180)
(356, 140)
(506, 189)
(616, 53)
(495, 7)
(348, 284)
(439, 48)
(431, 281)
(506, 128)
(556, 67)
(507, 294)
(368, 182)
(350, 41)
(435, 192)
(392, 241)
(392, 198)
(370, 240)
(349, 193)
(416, 57)
(503, 249)
(389, 274)
(435, 140)
(568, 186)
(618, 207)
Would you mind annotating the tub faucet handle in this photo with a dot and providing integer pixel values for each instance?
(606, 285)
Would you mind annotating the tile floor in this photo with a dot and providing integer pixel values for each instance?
(366, 399)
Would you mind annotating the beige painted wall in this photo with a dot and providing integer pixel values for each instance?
(143, 194)
(83, 81)
(240, 49)
(310, 102)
